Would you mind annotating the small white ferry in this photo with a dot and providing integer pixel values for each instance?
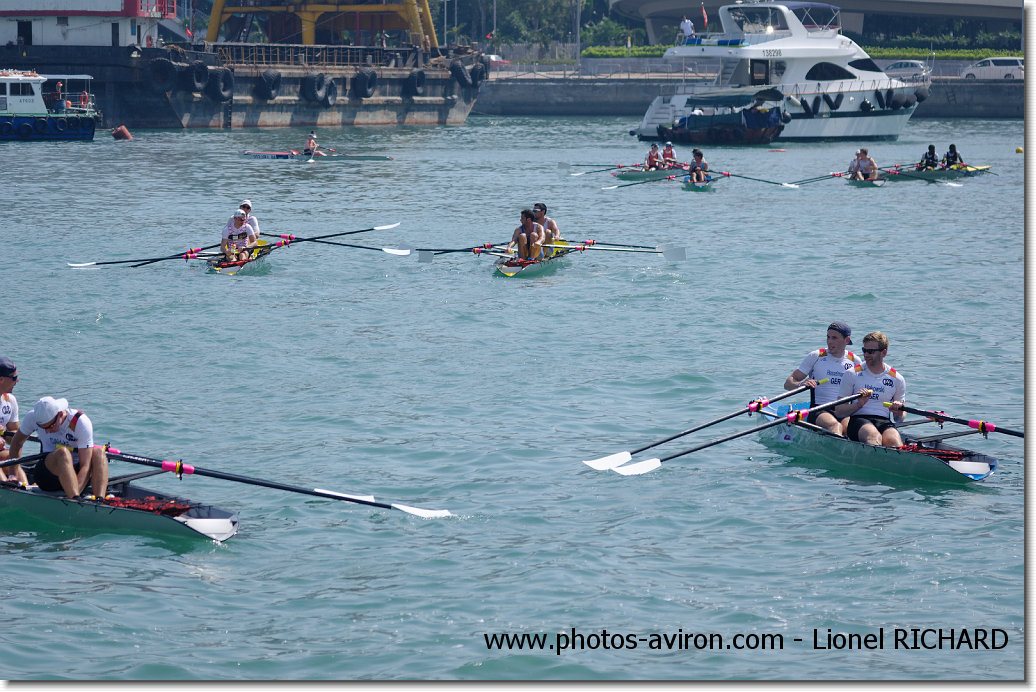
(36, 107)
(785, 56)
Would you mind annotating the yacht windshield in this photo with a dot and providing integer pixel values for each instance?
(828, 72)
(758, 20)
(864, 65)
(816, 16)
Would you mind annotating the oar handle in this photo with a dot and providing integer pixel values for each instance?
(22, 460)
(791, 417)
(982, 426)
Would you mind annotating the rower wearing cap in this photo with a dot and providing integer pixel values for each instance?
(653, 162)
(550, 227)
(238, 237)
(669, 155)
(311, 144)
(831, 363)
(9, 419)
(877, 384)
(246, 206)
(72, 462)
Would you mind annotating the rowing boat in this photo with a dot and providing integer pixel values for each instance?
(657, 174)
(221, 266)
(936, 174)
(293, 155)
(698, 186)
(924, 458)
(877, 182)
(131, 510)
(511, 266)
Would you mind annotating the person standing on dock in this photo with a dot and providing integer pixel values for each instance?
(72, 462)
(699, 167)
(870, 422)
(831, 363)
(9, 419)
(528, 237)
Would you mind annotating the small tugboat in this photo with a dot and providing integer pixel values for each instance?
(36, 107)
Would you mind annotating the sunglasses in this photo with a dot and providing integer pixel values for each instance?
(51, 424)
(11, 377)
(871, 350)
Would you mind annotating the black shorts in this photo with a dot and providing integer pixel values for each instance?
(852, 431)
(45, 478)
(813, 415)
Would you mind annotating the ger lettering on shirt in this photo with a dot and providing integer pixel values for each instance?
(819, 364)
(76, 432)
(886, 386)
(8, 411)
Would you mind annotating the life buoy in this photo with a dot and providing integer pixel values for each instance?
(25, 130)
(364, 83)
(84, 99)
(6, 128)
(460, 73)
(330, 94)
(313, 86)
(40, 125)
(150, 41)
(414, 83)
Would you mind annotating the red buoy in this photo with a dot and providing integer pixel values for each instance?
(121, 132)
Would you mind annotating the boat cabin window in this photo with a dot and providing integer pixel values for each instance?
(3, 88)
(760, 71)
(817, 17)
(21, 89)
(828, 72)
(758, 20)
(864, 65)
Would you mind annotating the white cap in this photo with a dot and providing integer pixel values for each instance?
(246, 203)
(47, 408)
(240, 214)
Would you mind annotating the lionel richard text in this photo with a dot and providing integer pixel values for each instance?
(912, 638)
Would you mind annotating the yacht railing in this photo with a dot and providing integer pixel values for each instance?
(803, 89)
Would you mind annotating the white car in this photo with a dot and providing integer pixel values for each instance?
(497, 61)
(995, 68)
(908, 70)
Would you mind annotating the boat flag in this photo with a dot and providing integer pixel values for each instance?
(190, 34)
(704, 17)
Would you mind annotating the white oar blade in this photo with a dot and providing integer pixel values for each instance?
(674, 254)
(609, 462)
(385, 228)
(610, 187)
(424, 513)
(364, 498)
(791, 185)
(82, 264)
(638, 468)
(401, 251)
(425, 255)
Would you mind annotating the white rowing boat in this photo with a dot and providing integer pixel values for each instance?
(131, 510)
(926, 458)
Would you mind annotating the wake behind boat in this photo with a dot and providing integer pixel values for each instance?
(792, 58)
(924, 458)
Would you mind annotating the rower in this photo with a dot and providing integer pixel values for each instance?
(876, 383)
(699, 168)
(669, 155)
(829, 363)
(550, 227)
(864, 167)
(930, 161)
(238, 237)
(953, 159)
(9, 419)
(311, 144)
(653, 162)
(528, 236)
(72, 462)
(246, 206)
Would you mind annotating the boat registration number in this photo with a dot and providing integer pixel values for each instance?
(772, 53)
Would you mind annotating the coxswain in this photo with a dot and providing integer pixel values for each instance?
(669, 156)
(876, 383)
(528, 237)
(238, 237)
(930, 161)
(953, 158)
(9, 419)
(71, 460)
(699, 167)
(653, 162)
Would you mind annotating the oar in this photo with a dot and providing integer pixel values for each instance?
(816, 179)
(613, 460)
(759, 180)
(673, 254)
(641, 182)
(792, 417)
(295, 239)
(141, 262)
(980, 425)
(179, 468)
(22, 460)
(605, 242)
(390, 250)
(610, 168)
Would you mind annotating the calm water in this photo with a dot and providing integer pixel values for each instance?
(442, 386)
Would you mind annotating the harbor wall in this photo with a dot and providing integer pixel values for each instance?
(559, 94)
